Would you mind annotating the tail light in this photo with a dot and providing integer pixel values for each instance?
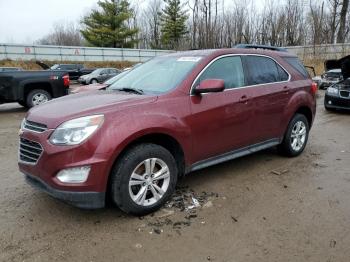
(66, 81)
(314, 88)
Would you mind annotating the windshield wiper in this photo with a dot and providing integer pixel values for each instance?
(130, 90)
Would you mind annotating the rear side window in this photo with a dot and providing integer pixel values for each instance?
(297, 65)
(229, 69)
(263, 70)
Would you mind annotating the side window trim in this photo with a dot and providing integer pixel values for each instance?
(244, 71)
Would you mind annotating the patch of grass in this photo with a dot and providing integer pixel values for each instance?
(31, 65)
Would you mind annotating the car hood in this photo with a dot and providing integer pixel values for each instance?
(91, 87)
(57, 111)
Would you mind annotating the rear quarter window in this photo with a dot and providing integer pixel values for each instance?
(297, 65)
(263, 70)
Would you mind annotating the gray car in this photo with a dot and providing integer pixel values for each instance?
(98, 76)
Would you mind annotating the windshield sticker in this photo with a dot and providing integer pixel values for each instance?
(189, 59)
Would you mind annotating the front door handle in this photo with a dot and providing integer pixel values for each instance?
(243, 99)
(286, 89)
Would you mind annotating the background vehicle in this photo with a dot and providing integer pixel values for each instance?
(338, 96)
(9, 69)
(98, 76)
(74, 70)
(329, 78)
(93, 87)
(31, 88)
(170, 116)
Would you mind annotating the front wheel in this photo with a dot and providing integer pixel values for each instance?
(296, 136)
(93, 81)
(143, 179)
(37, 97)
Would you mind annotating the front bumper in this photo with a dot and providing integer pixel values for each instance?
(85, 200)
(82, 81)
(334, 102)
(42, 174)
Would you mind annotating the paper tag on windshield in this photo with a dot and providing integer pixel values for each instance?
(189, 59)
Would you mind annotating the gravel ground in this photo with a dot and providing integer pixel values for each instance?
(262, 207)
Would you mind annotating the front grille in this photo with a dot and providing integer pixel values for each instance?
(345, 94)
(33, 126)
(29, 151)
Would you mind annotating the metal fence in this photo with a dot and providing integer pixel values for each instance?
(76, 53)
(84, 54)
(321, 52)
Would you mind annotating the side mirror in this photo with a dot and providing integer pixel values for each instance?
(210, 86)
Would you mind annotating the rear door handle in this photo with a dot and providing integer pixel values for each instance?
(243, 99)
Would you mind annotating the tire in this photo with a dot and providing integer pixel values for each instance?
(133, 162)
(292, 146)
(37, 97)
(93, 81)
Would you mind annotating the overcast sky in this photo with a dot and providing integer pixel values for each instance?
(25, 21)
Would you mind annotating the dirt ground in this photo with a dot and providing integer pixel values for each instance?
(262, 207)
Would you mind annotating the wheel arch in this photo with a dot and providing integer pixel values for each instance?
(163, 139)
(28, 87)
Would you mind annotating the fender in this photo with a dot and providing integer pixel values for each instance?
(21, 87)
(299, 99)
(149, 124)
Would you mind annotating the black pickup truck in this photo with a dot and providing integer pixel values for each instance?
(31, 88)
(74, 70)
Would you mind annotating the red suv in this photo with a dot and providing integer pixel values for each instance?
(170, 116)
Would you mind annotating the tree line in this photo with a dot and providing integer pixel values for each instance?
(198, 24)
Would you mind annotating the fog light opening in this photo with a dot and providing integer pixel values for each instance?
(74, 174)
(329, 102)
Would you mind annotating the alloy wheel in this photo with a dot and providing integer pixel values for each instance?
(149, 181)
(298, 136)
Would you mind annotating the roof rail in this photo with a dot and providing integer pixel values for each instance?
(267, 47)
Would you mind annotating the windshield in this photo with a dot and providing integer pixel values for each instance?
(159, 75)
(115, 78)
(97, 71)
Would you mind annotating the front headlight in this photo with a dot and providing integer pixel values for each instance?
(75, 131)
(332, 91)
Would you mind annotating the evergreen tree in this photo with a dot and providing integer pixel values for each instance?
(108, 26)
(173, 23)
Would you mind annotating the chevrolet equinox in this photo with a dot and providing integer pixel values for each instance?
(172, 115)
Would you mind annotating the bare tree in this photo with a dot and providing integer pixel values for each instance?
(342, 23)
(63, 35)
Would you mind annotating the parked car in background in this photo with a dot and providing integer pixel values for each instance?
(172, 115)
(329, 78)
(74, 70)
(9, 69)
(93, 87)
(338, 96)
(98, 76)
(32, 88)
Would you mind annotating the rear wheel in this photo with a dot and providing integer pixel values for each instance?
(143, 179)
(296, 137)
(37, 97)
